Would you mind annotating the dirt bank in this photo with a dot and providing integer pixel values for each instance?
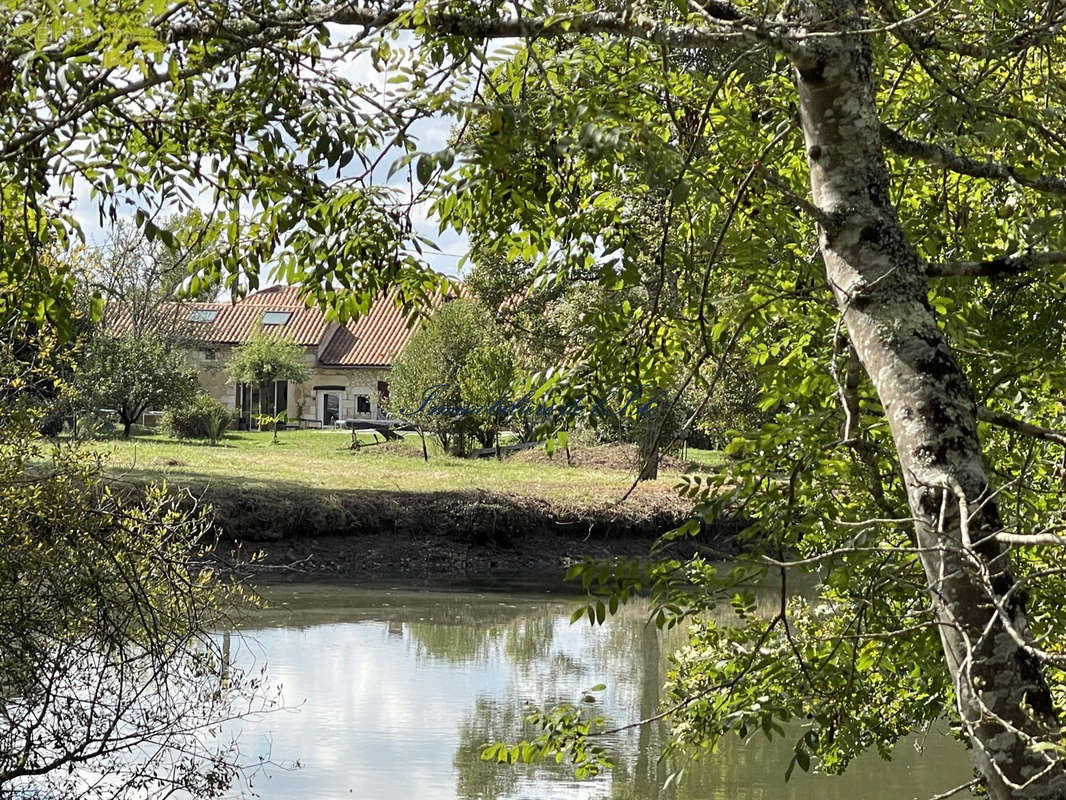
(438, 536)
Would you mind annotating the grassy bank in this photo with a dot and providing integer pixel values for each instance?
(320, 509)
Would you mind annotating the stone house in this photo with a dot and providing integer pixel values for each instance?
(349, 364)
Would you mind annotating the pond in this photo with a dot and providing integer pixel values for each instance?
(393, 693)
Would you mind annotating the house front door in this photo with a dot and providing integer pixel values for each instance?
(331, 408)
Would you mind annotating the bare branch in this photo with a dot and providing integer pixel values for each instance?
(728, 27)
(952, 792)
(1013, 264)
(964, 165)
(1029, 539)
(1020, 426)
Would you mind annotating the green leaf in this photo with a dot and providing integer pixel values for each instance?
(424, 168)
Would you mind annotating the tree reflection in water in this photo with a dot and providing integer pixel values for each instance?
(404, 689)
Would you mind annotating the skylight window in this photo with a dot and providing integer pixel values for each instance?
(275, 317)
(202, 315)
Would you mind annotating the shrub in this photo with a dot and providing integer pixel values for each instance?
(203, 417)
(109, 663)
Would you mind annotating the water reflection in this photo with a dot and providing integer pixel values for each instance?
(394, 694)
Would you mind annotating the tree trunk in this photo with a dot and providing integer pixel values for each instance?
(881, 290)
(649, 463)
(128, 416)
(649, 450)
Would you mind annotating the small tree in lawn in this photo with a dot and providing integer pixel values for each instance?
(264, 360)
(132, 373)
(415, 371)
(426, 387)
(485, 378)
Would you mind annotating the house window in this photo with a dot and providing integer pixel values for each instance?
(209, 354)
(202, 315)
(362, 404)
(254, 399)
(280, 401)
(275, 317)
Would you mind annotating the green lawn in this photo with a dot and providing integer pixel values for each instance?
(322, 460)
(705, 458)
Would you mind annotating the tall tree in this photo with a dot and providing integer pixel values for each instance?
(141, 278)
(486, 377)
(927, 149)
(883, 322)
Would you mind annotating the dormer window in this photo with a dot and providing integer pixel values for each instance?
(202, 315)
(275, 317)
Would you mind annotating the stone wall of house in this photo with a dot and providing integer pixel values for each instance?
(210, 365)
(304, 400)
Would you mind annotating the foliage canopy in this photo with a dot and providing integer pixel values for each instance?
(454, 361)
(264, 359)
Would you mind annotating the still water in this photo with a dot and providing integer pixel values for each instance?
(391, 694)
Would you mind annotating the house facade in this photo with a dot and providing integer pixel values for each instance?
(349, 364)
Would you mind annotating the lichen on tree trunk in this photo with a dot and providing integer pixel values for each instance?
(881, 291)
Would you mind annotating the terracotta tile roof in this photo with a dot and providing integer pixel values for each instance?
(235, 323)
(281, 296)
(373, 340)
